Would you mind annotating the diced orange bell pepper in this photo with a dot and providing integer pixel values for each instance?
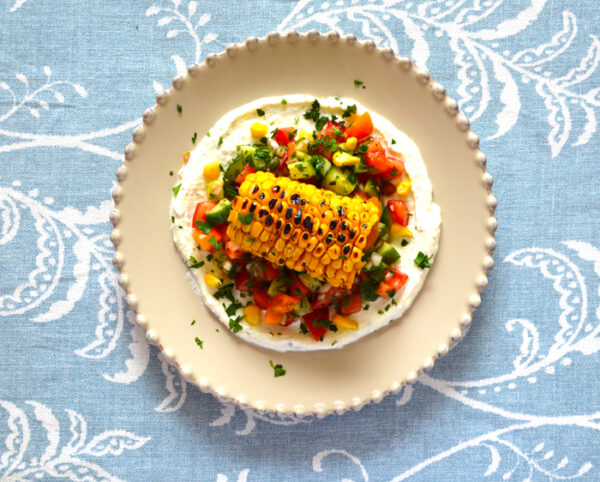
(283, 303)
(273, 318)
(361, 127)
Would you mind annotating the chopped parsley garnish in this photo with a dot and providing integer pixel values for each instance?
(393, 141)
(213, 242)
(176, 190)
(358, 82)
(351, 109)
(172, 219)
(279, 370)
(232, 308)
(260, 112)
(179, 108)
(314, 113)
(283, 101)
(199, 342)
(234, 324)
(193, 322)
(220, 141)
(250, 240)
(246, 218)
(303, 328)
(194, 264)
(170, 173)
(194, 137)
(203, 226)
(229, 190)
(217, 330)
(404, 242)
(422, 260)
(333, 342)
(380, 312)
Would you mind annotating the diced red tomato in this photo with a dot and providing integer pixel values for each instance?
(273, 318)
(242, 278)
(248, 169)
(284, 136)
(351, 305)
(361, 127)
(233, 251)
(393, 281)
(317, 332)
(288, 320)
(201, 209)
(202, 239)
(271, 272)
(333, 130)
(399, 211)
(283, 303)
(297, 287)
(261, 298)
(325, 299)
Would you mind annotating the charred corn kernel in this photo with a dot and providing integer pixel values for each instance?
(344, 322)
(212, 281)
(351, 143)
(399, 231)
(211, 171)
(302, 227)
(344, 159)
(404, 188)
(253, 314)
(258, 129)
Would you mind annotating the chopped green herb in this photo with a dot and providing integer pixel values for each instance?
(246, 218)
(279, 370)
(179, 108)
(229, 190)
(283, 101)
(176, 190)
(199, 342)
(264, 140)
(234, 324)
(366, 307)
(194, 137)
(214, 243)
(393, 141)
(380, 312)
(193, 322)
(333, 342)
(170, 173)
(422, 260)
(208, 134)
(358, 82)
(203, 226)
(404, 242)
(217, 330)
(351, 109)
(260, 112)
(194, 263)
(220, 141)
(303, 328)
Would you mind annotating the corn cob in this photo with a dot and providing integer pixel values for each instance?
(302, 227)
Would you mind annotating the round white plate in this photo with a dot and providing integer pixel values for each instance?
(154, 275)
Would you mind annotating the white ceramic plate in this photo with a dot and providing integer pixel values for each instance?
(154, 275)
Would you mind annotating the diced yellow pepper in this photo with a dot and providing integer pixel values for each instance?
(351, 143)
(344, 159)
(345, 322)
(399, 231)
(211, 171)
(258, 129)
(212, 281)
(404, 188)
(253, 314)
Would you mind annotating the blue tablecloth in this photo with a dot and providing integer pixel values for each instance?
(83, 396)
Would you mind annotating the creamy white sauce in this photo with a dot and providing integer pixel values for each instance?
(232, 130)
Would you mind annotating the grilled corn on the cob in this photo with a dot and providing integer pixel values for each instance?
(302, 227)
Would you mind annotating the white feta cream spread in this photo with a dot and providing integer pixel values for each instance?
(220, 143)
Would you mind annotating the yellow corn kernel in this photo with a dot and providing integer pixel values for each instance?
(344, 322)
(212, 281)
(253, 314)
(211, 171)
(258, 129)
(399, 231)
(351, 143)
(404, 188)
(344, 159)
